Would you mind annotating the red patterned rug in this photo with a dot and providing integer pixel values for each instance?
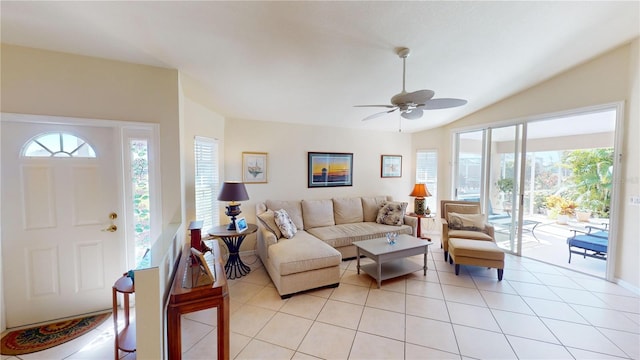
(39, 338)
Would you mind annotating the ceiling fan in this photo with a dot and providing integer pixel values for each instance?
(412, 104)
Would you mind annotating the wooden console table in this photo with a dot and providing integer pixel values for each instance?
(186, 300)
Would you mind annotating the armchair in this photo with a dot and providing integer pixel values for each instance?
(453, 230)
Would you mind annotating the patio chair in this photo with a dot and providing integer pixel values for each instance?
(593, 242)
(483, 232)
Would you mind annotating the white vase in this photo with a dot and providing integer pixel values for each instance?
(583, 216)
(563, 219)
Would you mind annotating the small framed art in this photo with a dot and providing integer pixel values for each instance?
(390, 166)
(254, 167)
(200, 271)
(329, 169)
(241, 224)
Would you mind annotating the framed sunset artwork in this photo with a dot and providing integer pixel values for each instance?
(329, 169)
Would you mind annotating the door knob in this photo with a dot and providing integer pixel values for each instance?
(111, 228)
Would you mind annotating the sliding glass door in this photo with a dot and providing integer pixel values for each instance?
(487, 169)
(503, 185)
(542, 180)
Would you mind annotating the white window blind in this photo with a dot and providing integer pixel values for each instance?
(427, 173)
(207, 182)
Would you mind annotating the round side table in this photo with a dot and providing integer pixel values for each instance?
(419, 229)
(234, 268)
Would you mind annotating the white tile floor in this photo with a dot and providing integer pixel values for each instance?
(537, 312)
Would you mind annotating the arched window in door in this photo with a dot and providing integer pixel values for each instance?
(58, 144)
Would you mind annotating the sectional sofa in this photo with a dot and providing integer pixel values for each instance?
(325, 231)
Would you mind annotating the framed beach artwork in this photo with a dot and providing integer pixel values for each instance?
(254, 167)
(390, 166)
(329, 169)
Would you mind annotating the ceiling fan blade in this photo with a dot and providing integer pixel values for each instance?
(416, 97)
(413, 114)
(442, 103)
(379, 114)
(386, 106)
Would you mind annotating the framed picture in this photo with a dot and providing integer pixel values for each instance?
(254, 167)
(329, 169)
(390, 166)
(241, 224)
(204, 276)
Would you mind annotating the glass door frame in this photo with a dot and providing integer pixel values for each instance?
(517, 197)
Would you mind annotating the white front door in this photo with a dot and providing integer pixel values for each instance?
(59, 259)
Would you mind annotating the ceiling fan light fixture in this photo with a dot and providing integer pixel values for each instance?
(408, 102)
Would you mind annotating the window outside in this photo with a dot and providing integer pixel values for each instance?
(58, 144)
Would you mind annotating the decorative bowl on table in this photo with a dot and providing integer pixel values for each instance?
(391, 237)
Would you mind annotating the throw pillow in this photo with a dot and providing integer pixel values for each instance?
(267, 219)
(286, 226)
(472, 222)
(391, 213)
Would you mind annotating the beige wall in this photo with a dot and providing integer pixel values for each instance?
(287, 146)
(629, 248)
(609, 78)
(200, 120)
(51, 83)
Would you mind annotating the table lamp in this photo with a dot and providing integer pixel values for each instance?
(233, 191)
(420, 192)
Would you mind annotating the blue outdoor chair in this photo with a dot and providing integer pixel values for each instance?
(593, 243)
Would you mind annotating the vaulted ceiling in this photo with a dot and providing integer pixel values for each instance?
(311, 62)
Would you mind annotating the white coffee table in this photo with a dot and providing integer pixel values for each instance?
(391, 260)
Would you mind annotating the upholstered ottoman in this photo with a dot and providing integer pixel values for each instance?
(302, 263)
(477, 253)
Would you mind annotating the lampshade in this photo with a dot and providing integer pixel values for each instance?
(233, 191)
(420, 190)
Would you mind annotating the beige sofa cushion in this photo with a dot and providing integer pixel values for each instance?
(475, 249)
(291, 256)
(469, 234)
(370, 207)
(348, 210)
(344, 234)
(293, 208)
(317, 213)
